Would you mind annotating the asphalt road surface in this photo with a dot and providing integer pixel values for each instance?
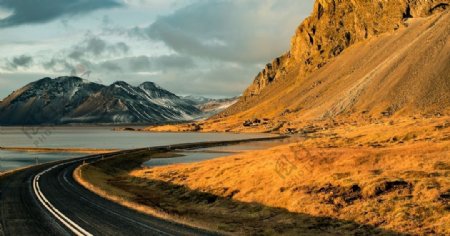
(22, 213)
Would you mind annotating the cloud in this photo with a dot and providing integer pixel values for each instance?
(203, 47)
(148, 64)
(23, 61)
(85, 56)
(252, 31)
(95, 47)
(59, 65)
(218, 80)
(32, 11)
(173, 62)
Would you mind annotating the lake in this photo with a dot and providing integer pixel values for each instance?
(90, 137)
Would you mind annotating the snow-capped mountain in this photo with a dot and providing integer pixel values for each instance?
(73, 100)
(210, 106)
(197, 100)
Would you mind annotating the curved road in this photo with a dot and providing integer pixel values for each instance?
(22, 212)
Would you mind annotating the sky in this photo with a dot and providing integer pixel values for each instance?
(210, 48)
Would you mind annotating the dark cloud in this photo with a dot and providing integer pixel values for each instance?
(32, 11)
(110, 66)
(173, 62)
(138, 64)
(219, 80)
(95, 47)
(122, 65)
(23, 61)
(252, 31)
(59, 65)
(150, 64)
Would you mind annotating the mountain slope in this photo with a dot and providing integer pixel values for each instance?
(210, 106)
(45, 100)
(379, 58)
(123, 103)
(74, 100)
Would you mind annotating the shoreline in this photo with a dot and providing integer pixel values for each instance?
(63, 150)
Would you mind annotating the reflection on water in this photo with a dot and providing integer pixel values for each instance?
(103, 137)
(11, 160)
(89, 137)
(203, 154)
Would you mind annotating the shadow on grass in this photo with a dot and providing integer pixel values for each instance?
(231, 216)
(220, 213)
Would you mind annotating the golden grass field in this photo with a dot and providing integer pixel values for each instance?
(385, 177)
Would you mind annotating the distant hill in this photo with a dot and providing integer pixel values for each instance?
(66, 100)
(210, 106)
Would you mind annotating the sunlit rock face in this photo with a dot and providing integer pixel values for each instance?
(333, 27)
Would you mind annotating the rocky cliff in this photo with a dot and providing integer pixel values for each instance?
(333, 27)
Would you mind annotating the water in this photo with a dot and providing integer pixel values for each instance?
(12, 160)
(88, 137)
(202, 154)
(186, 157)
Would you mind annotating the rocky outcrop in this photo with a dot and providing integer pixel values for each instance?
(354, 60)
(272, 72)
(334, 26)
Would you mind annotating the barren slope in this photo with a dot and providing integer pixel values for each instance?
(343, 61)
(406, 71)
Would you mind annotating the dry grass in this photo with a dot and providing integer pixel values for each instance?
(110, 180)
(394, 175)
(381, 177)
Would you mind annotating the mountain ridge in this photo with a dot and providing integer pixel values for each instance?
(334, 30)
(69, 99)
(333, 27)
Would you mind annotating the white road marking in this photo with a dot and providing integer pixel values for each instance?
(112, 212)
(72, 226)
(76, 229)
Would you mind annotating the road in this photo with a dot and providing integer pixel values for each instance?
(23, 214)
(46, 200)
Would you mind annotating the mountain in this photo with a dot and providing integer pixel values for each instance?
(216, 106)
(74, 100)
(197, 100)
(210, 106)
(370, 58)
